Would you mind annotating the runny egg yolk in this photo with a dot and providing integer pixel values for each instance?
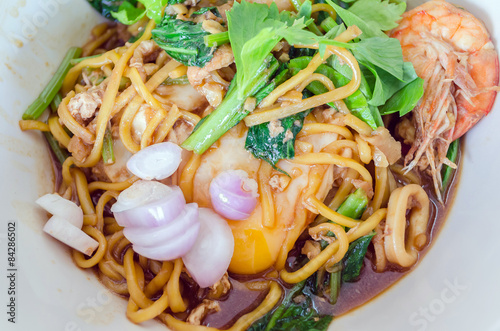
(256, 247)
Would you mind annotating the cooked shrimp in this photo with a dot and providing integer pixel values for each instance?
(452, 51)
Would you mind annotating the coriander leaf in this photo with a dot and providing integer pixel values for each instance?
(353, 260)
(183, 41)
(297, 35)
(154, 8)
(254, 51)
(384, 14)
(254, 30)
(105, 7)
(246, 21)
(272, 147)
(305, 10)
(128, 14)
(405, 99)
(370, 29)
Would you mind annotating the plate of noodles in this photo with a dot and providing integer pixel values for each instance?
(250, 165)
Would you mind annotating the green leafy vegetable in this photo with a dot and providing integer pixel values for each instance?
(382, 13)
(452, 155)
(203, 10)
(383, 53)
(346, 71)
(154, 8)
(128, 14)
(106, 7)
(230, 112)
(385, 85)
(254, 30)
(291, 315)
(370, 29)
(353, 260)
(380, 57)
(405, 99)
(183, 41)
(305, 10)
(45, 98)
(126, 11)
(357, 102)
(353, 206)
(272, 148)
(259, 140)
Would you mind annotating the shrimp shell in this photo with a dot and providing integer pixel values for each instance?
(453, 52)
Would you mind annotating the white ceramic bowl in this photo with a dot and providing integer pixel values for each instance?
(455, 287)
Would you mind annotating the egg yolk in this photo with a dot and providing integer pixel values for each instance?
(256, 247)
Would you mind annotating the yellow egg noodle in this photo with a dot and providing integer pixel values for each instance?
(347, 153)
(125, 275)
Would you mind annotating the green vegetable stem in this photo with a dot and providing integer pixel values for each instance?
(108, 156)
(230, 112)
(49, 92)
(217, 39)
(452, 155)
(61, 154)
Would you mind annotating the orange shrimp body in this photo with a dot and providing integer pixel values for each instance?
(453, 52)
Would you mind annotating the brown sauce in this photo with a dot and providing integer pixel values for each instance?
(241, 300)
(370, 284)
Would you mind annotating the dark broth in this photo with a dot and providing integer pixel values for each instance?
(352, 295)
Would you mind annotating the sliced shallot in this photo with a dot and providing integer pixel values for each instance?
(148, 204)
(157, 220)
(172, 230)
(157, 161)
(172, 249)
(68, 233)
(233, 194)
(58, 206)
(209, 258)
